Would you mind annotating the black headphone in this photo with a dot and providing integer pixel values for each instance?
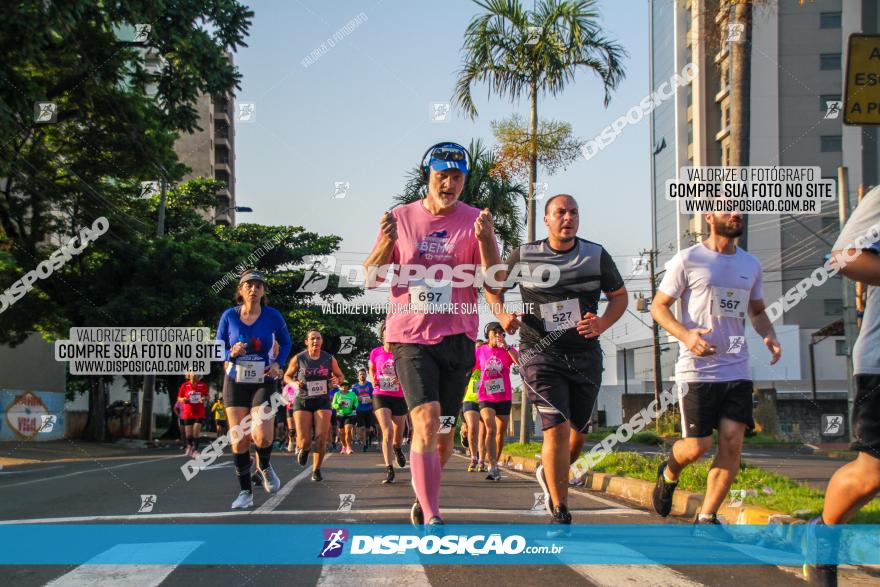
(489, 327)
(424, 165)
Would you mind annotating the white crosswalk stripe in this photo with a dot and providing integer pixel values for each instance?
(397, 575)
(633, 575)
(95, 572)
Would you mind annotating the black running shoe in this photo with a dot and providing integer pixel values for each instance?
(416, 516)
(710, 529)
(562, 519)
(661, 497)
(435, 527)
(302, 458)
(821, 575)
(401, 459)
(389, 475)
(814, 546)
(316, 475)
(364, 449)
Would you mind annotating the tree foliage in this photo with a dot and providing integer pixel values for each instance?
(557, 146)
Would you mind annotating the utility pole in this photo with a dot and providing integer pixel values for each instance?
(850, 327)
(146, 407)
(655, 328)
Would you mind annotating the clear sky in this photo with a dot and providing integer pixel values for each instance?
(361, 113)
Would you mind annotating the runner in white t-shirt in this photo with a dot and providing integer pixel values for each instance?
(857, 253)
(719, 285)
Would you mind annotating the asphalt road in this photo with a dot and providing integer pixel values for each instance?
(106, 488)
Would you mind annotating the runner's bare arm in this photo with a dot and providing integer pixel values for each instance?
(514, 354)
(661, 314)
(509, 321)
(859, 265)
(291, 370)
(381, 253)
(374, 379)
(337, 372)
(591, 326)
(489, 256)
(763, 326)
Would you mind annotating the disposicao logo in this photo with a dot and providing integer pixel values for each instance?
(334, 540)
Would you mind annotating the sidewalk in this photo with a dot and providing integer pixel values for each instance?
(23, 452)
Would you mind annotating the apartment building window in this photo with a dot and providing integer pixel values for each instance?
(829, 20)
(829, 61)
(840, 348)
(831, 143)
(833, 307)
(825, 98)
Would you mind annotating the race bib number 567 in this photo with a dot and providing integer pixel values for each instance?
(728, 302)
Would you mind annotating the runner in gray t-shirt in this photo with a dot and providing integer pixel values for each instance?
(719, 285)
(857, 253)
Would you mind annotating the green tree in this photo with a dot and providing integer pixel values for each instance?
(485, 188)
(557, 145)
(186, 278)
(535, 53)
(119, 104)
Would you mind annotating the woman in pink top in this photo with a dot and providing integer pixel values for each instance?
(389, 406)
(494, 360)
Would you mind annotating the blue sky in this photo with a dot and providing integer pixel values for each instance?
(361, 114)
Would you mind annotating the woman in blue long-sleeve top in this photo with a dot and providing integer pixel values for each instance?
(248, 332)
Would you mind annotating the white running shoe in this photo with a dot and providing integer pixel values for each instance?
(271, 482)
(542, 481)
(244, 500)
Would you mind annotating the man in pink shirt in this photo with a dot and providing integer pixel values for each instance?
(437, 245)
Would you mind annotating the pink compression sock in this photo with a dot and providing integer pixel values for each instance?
(425, 469)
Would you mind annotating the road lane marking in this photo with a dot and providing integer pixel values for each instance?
(2, 473)
(274, 501)
(368, 512)
(96, 572)
(75, 473)
(345, 575)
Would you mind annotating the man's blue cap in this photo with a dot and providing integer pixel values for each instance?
(441, 164)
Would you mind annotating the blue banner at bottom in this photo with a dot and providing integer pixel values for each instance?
(480, 544)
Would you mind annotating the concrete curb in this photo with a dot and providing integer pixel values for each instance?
(685, 503)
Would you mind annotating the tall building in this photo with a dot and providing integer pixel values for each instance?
(210, 152)
(797, 68)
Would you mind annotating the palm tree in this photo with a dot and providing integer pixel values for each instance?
(740, 90)
(535, 52)
(485, 188)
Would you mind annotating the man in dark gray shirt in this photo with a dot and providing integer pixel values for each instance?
(857, 253)
(561, 279)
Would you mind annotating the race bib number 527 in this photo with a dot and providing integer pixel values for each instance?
(560, 315)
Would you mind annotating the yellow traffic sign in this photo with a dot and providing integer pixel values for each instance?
(861, 102)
